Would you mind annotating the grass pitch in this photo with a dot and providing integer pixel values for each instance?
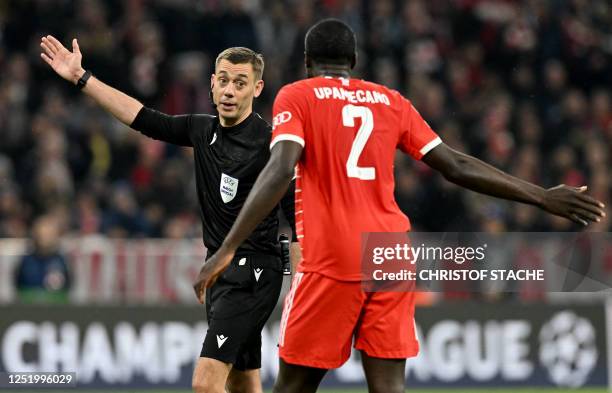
(480, 390)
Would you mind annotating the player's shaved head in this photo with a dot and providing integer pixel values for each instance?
(331, 41)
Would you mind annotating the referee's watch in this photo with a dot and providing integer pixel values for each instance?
(83, 80)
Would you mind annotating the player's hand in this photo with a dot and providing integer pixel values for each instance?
(211, 270)
(572, 203)
(67, 64)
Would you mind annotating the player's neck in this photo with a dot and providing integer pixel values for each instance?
(231, 122)
(337, 71)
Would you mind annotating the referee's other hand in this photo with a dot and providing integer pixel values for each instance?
(211, 270)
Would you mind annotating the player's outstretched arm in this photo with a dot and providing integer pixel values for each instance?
(268, 190)
(469, 172)
(67, 64)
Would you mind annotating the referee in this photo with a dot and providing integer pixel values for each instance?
(230, 150)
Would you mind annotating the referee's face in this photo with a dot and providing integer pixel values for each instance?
(233, 87)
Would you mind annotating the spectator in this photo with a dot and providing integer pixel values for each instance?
(43, 274)
(525, 85)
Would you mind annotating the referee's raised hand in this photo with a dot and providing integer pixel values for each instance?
(67, 64)
(211, 270)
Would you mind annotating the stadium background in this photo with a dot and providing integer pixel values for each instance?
(524, 85)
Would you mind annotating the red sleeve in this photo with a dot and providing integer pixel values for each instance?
(288, 116)
(416, 138)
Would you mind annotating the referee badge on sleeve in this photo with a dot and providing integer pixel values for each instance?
(228, 187)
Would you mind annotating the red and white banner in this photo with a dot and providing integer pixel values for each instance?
(126, 271)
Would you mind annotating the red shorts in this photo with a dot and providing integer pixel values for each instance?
(322, 316)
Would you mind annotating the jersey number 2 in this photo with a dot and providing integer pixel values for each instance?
(349, 114)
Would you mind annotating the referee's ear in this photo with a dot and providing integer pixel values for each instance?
(259, 85)
(212, 87)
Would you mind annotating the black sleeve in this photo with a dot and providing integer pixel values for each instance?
(163, 127)
(287, 205)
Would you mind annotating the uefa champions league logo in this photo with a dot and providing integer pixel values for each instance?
(568, 349)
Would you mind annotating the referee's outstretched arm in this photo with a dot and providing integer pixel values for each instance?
(128, 110)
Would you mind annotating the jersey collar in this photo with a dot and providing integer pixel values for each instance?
(239, 126)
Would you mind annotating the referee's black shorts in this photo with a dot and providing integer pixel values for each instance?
(237, 308)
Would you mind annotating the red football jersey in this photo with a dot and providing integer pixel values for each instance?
(350, 130)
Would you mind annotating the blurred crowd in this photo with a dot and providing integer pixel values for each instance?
(523, 85)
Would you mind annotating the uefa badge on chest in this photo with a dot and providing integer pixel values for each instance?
(228, 187)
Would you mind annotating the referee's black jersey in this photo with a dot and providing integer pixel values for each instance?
(227, 163)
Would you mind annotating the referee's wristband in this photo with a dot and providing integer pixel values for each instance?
(83, 80)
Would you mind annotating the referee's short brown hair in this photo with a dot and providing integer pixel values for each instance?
(242, 55)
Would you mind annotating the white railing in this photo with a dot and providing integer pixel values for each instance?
(109, 270)
(158, 271)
